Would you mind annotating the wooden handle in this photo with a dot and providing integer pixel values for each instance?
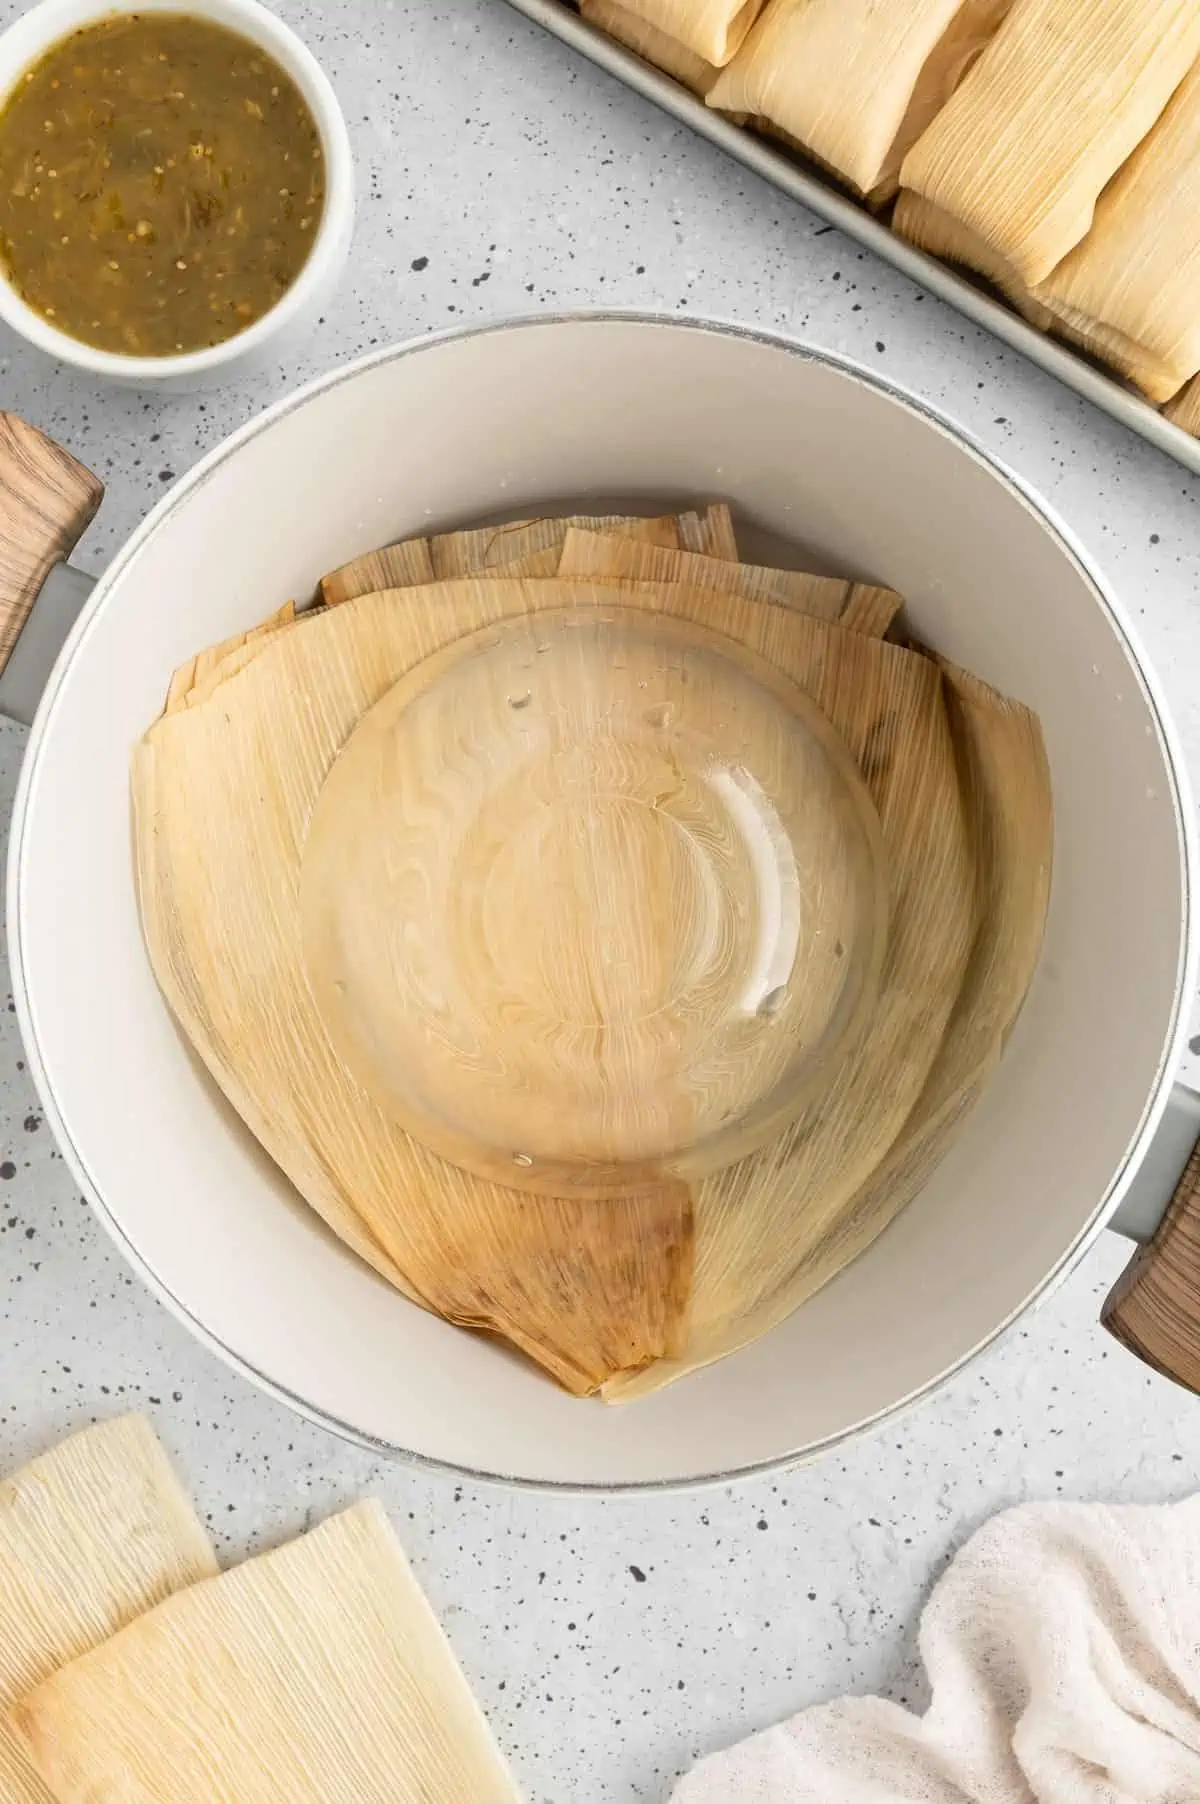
(1154, 1307)
(46, 501)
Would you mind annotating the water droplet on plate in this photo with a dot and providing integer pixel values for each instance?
(522, 1159)
(521, 700)
(772, 1002)
(661, 716)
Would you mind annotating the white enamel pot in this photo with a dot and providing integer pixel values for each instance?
(857, 477)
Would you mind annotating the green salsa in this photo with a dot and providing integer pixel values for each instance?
(161, 184)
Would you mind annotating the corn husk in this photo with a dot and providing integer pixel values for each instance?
(595, 1066)
(534, 563)
(411, 562)
(711, 29)
(235, 659)
(762, 1226)
(1047, 115)
(316, 1673)
(398, 566)
(193, 675)
(932, 229)
(585, 1291)
(477, 549)
(1131, 289)
(223, 796)
(963, 42)
(509, 548)
(1005, 781)
(709, 532)
(860, 606)
(653, 45)
(870, 609)
(1184, 410)
(1134, 361)
(91, 1535)
(854, 82)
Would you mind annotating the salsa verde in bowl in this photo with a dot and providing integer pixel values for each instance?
(175, 187)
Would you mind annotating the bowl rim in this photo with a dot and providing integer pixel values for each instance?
(1175, 1029)
(47, 23)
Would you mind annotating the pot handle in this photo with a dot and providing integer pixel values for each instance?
(46, 501)
(1154, 1307)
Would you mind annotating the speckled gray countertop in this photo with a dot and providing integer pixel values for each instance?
(609, 1642)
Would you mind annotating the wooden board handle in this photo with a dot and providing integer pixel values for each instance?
(46, 501)
(1154, 1307)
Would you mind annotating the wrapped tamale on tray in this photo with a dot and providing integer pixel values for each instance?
(1056, 103)
(855, 82)
(836, 148)
(1131, 290)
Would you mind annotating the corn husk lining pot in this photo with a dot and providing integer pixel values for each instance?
(863, 481)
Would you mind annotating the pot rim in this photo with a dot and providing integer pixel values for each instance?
(1181, 799)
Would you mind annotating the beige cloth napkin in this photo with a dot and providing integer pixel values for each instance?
(1063, 1654)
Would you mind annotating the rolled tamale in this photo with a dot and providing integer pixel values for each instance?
(855, 82)
(1059, 99)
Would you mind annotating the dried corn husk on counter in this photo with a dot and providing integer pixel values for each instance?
(594, 1307)
(1184, 410)
(855, 82)
(1058, 100)
(650, 43)
(91, 1535)
(710, 29)
(312, 1673)
(1131, 290)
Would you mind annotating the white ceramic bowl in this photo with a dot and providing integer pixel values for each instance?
(859, 477)
(269, 338)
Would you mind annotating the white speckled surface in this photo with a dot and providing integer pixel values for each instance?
(608, 1642)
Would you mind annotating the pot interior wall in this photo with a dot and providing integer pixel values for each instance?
(811, 456)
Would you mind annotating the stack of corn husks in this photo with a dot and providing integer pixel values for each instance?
(133, 1672)
(604, 935)
(1052, 146)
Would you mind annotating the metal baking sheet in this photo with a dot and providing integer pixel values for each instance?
(822, 198)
